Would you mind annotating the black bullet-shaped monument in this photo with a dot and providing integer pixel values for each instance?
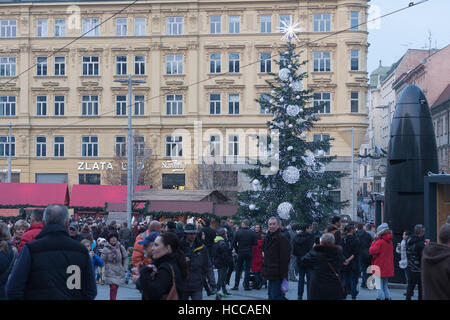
(412, 154)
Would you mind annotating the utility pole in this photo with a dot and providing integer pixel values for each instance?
(10, 152)
(353, 174)
(130, 171)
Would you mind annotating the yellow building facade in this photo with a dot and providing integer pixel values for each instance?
(203, 62)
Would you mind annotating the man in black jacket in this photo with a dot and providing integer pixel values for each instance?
(209, 235)
(365, 241)
(414, 248)
(351, 247)
(277, 254)
(198, 263)
(303, 243)
(53, 267)
(243, 243)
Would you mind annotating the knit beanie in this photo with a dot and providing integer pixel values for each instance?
(382, 227)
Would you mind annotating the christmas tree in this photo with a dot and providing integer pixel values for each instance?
(297, 189)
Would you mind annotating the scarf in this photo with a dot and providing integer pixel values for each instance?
(115, 253)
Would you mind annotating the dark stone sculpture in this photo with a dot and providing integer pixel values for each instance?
(412, 154)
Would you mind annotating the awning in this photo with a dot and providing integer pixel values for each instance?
(33, 194)
(225, 210)
(95, 196)
(181, 206)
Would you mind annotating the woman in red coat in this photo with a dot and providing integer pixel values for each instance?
(382, 252)
(257, 261)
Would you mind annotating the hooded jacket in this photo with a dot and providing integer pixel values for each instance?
(382, 252)
(414, 248)
(436, 272)
(198, 265)
(138, 251)
(223, 253)
(325, 285)
(303, 243)
(30, 234)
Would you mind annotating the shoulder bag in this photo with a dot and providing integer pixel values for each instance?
(173, 293)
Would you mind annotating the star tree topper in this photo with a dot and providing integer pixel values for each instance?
(290, 30)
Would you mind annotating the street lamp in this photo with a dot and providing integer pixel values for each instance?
(130, 192)
(353, 170)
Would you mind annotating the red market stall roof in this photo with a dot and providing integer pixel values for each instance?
(33, 194)
(225, 210)
(95, 196)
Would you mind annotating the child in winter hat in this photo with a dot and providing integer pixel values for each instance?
(382, 228)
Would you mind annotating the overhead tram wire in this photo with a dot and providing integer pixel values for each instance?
(71, 42)
(410, 5)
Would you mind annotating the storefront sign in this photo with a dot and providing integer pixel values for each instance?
(174, 165)
(86, 166)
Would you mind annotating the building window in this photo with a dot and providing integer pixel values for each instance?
(214, 146)
(41, 66)
(139, 27)
(121, 65)
(174, 104)
(320, 98)
(174, 64)
(4, 146)
(121, 147)
(42, 28)
(41, 146)
(354, 60)
(174, 26)
(354, 20)
(7, 66)
(286, 18)
(58, 147)
(90, 105)
(233, 145)
(121, 27)
(215, 23)
(88, 178)
(234, 23)
(139, 65)
(174, 146)
(90, 27)
(139, 105)
(354, 100)
(233, 104)
(139, 146)
(214, 63)
(173, 180)
(8, 28)
(322, 22)
(90, 66)
(233, 62)
(60, 27)
(322, 61)
(322, 137)
(15, 177)
(89, 146)
(263, 108)
(121, 105)
(59, 105)
(265, 62)
(41, 105)
(7, 106)
(60, 66)
(214, 103)
(266, 24)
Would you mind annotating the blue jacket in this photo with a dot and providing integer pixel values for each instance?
(97, 261)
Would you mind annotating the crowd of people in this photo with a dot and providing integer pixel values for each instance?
(50, 256)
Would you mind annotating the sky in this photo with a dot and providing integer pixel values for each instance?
(409, 29)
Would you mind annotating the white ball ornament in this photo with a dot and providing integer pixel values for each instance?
(292, 110)
(297, 86)
(290, 148)
(291, 175)
(303, 135)
(252, 207)
(317, 204)
(297, 97)
(283, 74)
(321, 153)
(255, 182)
(290, 126)
(284, 210)
(329, 186)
